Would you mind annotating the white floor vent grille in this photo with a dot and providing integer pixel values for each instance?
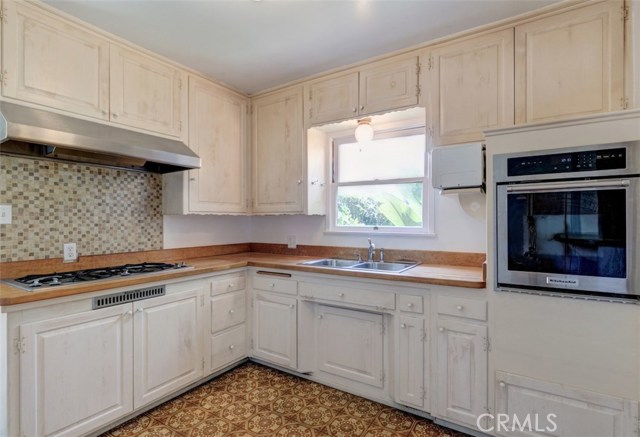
(127, 296)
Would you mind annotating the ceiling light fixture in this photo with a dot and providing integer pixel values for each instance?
(364, 131)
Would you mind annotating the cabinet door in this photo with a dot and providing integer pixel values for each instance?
(168, 351)
(278, 153)
(53, 62)
(275, 329)
(570, 64)
(410, 362)
(217, 134)
(145, 93)
(461, 375)
(389, 85)
(470, 87)
(75, 372)
(332, 99)
(574, 412)
(350, 344)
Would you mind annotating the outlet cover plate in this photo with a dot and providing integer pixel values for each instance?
(70, 253)
(291, 241)
(5, 214)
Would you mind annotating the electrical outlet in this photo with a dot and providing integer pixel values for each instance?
(70, 253)
(291, 241)
(5, 214)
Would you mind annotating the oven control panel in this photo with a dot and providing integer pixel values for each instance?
(573, 162)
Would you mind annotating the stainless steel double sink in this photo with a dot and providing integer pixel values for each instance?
(372, 266)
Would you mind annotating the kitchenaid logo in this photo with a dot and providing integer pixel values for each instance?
(561, 281)
(512, 422)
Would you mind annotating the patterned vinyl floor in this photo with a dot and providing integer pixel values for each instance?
(253, 400)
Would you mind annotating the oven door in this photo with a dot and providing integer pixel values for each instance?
(577, 236)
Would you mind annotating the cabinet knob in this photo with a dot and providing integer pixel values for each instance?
(502, 384)
(403, 325)
(362, 108)
(319, 316)
(231, 347)
(114, 114)
(459, 307)
(355, 109)
(341, 294)
(231, 311)
(139, 310)
(192, 179)
(105, 112)
(393, 84)
(292, 306)
(129, 313)
(299, 181)
(231, 285)
(410, 304)
(441, 329)
(272, 285)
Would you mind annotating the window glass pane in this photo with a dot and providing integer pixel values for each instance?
(388, 158)
(391, 205)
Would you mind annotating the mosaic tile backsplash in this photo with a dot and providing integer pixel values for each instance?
(102, 210)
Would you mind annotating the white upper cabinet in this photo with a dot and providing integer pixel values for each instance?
(470, 87)
(278, 152)
(50, 61)
(379, 87)
(570, 64)
(146, 93)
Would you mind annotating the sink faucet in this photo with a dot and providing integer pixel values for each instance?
(372, 250)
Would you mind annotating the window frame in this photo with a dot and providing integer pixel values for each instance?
(427, 190)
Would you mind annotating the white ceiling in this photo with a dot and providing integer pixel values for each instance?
(255, 45)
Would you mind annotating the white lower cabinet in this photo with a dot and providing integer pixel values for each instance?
(227, 333)
(167, 344)
(461, 371)
(351, 344)
(76, 372)
(275, 329)
(530, 407)
(411, 338)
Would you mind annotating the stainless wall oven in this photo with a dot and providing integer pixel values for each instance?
(567, 220)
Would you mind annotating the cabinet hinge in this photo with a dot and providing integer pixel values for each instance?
(252, 344)
(383, 328)
(625, 12)
(382, 377)
(202, 300)
(180, 84)
(310, 94)
(624, 102)
(418, 68)
(3, 77)
(430, 129)
(3, 15)
(310, 113)
(21, 345)
(430, 63)
(486, 344)
(203, 363)
(418, 91)
(180, 126)
(424, 336)
(424, 394)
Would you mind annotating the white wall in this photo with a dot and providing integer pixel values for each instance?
(203, 230)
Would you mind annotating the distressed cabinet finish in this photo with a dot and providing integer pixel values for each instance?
(275, 329)
(218, 135)
(168, 343)
(470, 87)
(351, 344)
(50, 61)
(575, 412)
(278, 153)
(66, 358)
(410, 360)
(380, 87)
(461, 374)
(146, 93)
(570, 64)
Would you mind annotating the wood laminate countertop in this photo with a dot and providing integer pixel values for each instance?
(436, 274)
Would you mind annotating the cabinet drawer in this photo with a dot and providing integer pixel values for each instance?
(227, 310)
(275, 284)
(227, 283)
(410, 304)
(228, 347)
(460, 307)
(370, 298)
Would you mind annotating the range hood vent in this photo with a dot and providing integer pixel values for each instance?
(38, 133)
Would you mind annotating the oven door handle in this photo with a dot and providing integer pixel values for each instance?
(549, 186)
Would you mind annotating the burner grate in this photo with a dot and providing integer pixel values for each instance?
(127, 296)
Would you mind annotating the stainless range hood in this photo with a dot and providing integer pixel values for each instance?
(43, 134)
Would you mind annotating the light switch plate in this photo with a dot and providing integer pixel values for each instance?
(291, 241)
(5, 214)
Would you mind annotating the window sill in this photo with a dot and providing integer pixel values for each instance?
(371, 232)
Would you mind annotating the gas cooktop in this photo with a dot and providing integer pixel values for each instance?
(45, 281)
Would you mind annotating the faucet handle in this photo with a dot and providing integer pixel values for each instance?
(356, 253)
(382, 254)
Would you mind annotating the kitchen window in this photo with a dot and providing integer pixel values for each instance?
(381, 185)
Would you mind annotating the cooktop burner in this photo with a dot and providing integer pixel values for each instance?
(33, 282)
